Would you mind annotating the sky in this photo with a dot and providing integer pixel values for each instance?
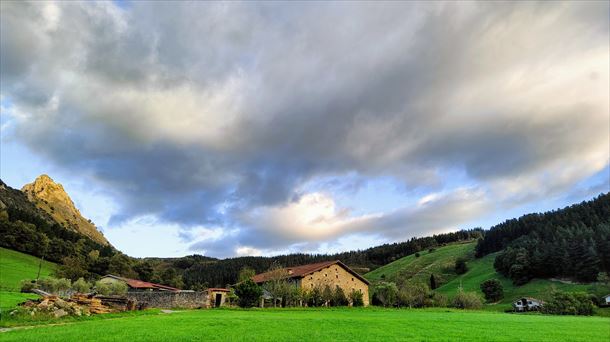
(259, 128)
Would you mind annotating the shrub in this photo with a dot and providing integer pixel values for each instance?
(81, 286)
(356, 298)
(48, 285)
(314, 297)
(439, 300)
(460, 266)
(248, 293)
(431, 250)
(118, 288)
(102, 288)
(492, 289)
(417, 255)
(414, 295)
(339, 298)
(568, 303)
(386, 293)
(467, 300)
(327, 295)
(28, 285)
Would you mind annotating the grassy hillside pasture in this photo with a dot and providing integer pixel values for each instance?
(324, 324)
(483, 269)
(441, 262)
(14, 267)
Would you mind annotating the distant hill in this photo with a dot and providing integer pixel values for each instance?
(441, 261)
(53, 199)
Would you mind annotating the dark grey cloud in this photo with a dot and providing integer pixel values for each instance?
(200, 113)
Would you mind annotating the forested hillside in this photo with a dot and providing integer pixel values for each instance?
(573, 242)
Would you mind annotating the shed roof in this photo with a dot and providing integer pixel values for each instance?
(303, 270)
(140, 284)
(218, 289)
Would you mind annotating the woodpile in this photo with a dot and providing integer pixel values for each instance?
(77, 305)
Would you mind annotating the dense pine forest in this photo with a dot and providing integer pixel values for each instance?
(573, 242)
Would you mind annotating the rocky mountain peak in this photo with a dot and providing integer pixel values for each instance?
(51, 197)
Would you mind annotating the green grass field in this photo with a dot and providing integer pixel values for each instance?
(441, 263)
(323, 325)
(15, 266)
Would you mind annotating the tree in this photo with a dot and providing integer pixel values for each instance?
(413, 295)
(432, 282)
(356, 298)
(277, 285)
(568, 303)
(327, 295)
(386, 293)
(460, 266)
(144, 269)
(246, 273)
(492, 289)
(467, 300)
(339, 298)
(102, 288)
(248, 293)
(81, 286)
(170, 277)
(120, 264)
(73, 268)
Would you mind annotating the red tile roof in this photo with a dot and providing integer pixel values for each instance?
(303, 270)
(139, 284)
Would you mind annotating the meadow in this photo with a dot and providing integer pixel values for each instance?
(14, 267)
(324, 324)
(441, 263)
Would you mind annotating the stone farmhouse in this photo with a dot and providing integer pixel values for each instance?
(331, 273)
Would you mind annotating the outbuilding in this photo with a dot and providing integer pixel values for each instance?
(217, 296)
(605, 300)
(135, 285)
(527, 304)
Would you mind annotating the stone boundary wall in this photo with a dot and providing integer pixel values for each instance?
(169, 300)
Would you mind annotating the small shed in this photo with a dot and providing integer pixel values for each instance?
(217, 296)
(527, 304)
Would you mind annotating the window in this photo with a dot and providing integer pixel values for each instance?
(352, 279)
(337, 276)
(326, 274)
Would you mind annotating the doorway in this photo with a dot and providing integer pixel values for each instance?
(218, 300)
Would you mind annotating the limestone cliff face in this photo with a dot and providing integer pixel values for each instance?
(53, 199)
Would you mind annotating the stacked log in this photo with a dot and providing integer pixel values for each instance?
(77, 305)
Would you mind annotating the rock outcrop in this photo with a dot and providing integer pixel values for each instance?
(53, 199)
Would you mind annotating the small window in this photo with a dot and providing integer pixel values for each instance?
(337, 276)
(352, 279)
(326, 274)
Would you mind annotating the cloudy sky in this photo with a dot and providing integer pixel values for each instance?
(260, 128)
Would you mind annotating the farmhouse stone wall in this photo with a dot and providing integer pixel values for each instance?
(169, 300)
(335, 275)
